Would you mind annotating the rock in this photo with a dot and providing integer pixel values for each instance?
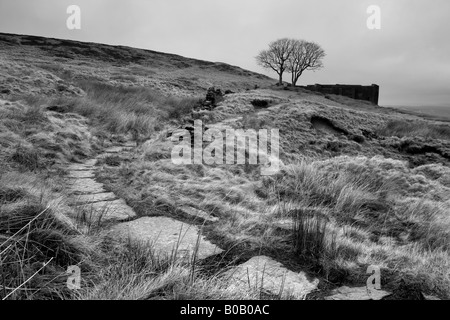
(270, 275)
(81, 174)
(80, 167)
(90, 162)
(286, 224)
(166, 234)
(358, 293)
(113, 150)
(96, 197)
(85, 186)
(197, 214)
(107, 210)
(431, 297)
(129, 144)
(213, 96)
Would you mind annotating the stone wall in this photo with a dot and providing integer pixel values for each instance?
(368, 93)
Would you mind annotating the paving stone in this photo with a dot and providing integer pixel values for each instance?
(287, 224)
(78, 174)
(113, 150)
(108, 210)
(431, 297)
(87, 165)
(129, 144)
(90, 162)
(85, 186)
(79, 167)
(197, 214)
(270, 275)
(103, 155)
(166, 234)
(358, 293)
(96, 197)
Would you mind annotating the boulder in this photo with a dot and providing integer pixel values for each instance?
(358, 293)
(264, 274)
(167, 236)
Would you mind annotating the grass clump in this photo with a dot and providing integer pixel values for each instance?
(27, 158)
(37, 241)
(353, 212)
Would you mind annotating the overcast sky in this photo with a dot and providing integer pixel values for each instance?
(409, 57)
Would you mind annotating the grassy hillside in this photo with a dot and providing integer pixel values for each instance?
(49, 66)
(359, 184)
(441, 113)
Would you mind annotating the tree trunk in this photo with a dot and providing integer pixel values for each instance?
(294, 79)
(280, 81)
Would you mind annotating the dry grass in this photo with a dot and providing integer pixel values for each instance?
(331, 211)
(35, 139)
(342, 214)
(38, 243)
(401, 128)
(109, 270)
(121, 110)
(37, 240)
(369, 205)
(136, 271)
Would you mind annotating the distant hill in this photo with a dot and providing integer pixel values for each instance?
(172, 74)
(441, 113)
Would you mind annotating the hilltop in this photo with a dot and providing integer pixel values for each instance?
(82, 123)
(54, 61)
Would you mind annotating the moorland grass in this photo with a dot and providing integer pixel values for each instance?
(402, 128)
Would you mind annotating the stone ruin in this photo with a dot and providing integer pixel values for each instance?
(213, 97)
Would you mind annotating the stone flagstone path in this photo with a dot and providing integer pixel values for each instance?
(166, 235)
(264, 273)
(163, 233)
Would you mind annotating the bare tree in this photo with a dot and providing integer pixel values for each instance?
(305, 56)
(276, 56)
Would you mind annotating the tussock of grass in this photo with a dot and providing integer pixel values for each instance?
(370, 197)
(28, 158)
(310, 234)
(35, 232)
(136, 271)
